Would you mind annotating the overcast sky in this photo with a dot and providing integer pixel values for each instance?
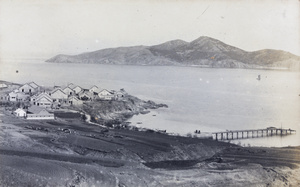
(40, 28)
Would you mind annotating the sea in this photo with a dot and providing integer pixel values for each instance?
(205, 99)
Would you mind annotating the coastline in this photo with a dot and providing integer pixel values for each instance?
(132, 157)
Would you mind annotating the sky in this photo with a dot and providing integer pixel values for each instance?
(43, 29)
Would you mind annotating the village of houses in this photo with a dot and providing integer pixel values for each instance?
(41, 100)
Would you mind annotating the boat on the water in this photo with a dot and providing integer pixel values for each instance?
(258, 77)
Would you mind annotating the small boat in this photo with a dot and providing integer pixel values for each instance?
(258, 77)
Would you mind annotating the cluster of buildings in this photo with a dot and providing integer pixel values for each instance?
(42, 100)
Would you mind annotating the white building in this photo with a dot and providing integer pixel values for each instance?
(3, 85)
(106, 95)
(73, 100)
(36, 112)
(20, 112)
(58, 95)
(42, 100)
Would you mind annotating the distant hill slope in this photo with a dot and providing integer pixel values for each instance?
(204, 51)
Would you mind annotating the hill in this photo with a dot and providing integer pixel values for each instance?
(204, 51)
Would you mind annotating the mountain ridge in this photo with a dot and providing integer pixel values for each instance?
(203, 51)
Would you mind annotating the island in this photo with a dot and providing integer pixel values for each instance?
(201, 52)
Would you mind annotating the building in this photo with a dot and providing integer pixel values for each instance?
(4, 97)
(77, 89)
(106, 95)
(85, 95)
(20, 112)
(22, 97)
(28, 89)
(69, 91)
(93, 89)
(73, 100)
(12, 96)
(35, 86)
(120, 94)
(58, 95)
(3, 85)
(42, 100)
(36, 112)
(17, 96)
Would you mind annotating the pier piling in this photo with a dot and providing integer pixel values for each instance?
(255, 133)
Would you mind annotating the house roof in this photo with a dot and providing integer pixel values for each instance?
(33, 97)
(73, 97)
(35, 109)
(73, 86)
(21, 95)
(85, 92)
(76, 87)
(94, 86)
(2, 85)
(12, 94)
(57, 89)
(20, 110)
(68, 87)
(33, 84)
(44, 95)
(27, 85)
(105, 90)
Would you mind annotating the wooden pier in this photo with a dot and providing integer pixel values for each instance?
(255, 133)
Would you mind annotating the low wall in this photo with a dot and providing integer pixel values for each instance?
(34, 116)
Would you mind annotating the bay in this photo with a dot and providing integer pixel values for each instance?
(203, 99)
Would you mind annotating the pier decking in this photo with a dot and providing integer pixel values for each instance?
(254, 133)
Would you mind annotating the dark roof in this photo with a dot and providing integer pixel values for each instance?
(35, 109)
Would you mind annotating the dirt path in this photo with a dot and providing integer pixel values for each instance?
(64, 158)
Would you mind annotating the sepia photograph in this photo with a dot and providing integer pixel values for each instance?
(148, 93)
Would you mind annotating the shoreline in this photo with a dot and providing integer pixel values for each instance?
(191, 66)
(113, 156)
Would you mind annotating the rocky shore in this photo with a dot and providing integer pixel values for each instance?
(114, 113)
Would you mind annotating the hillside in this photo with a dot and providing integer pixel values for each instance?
(204, 51)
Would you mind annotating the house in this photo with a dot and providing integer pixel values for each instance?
(71, 85)
(73, 100)
(58, 95)
(42, 100)
(12, 96)
(93, 89)
(4, 97)
(3, 85)
(28, 89)
(120, 94)
(34, 85)
(77, 89)
(20, 112)
(69, 91)
(36, 112)
(22, 97)
(17, 96)
(106, 95)
(32, 99)
(85, 95)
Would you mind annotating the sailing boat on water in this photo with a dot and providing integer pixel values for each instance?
(258, 77)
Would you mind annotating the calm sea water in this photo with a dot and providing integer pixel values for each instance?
(198, 98)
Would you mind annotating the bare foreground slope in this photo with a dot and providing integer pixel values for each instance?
(70, 152)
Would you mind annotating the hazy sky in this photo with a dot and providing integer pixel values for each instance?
(40, 28)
